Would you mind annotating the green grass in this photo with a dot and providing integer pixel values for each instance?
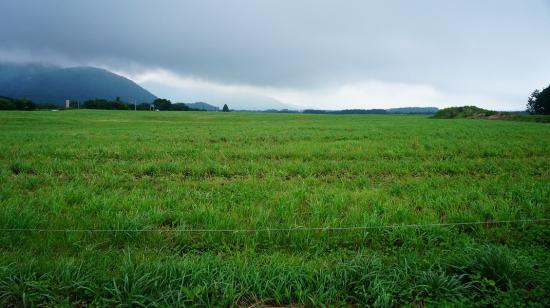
(525, 117)
(197, 170)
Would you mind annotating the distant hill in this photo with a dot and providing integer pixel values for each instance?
(473, 112)
(464, 112)
(202, 106)
(346, 111)
(51, 84)
(413, 110)
(404, 110)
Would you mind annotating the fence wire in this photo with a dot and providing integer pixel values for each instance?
(287, 229)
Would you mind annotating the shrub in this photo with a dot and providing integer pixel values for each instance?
(16, 104)
(463, 112)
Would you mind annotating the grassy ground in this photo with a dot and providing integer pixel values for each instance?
(196, 170)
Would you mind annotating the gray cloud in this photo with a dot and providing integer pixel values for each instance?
(489, 49)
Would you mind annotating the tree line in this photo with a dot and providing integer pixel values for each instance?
(7, 103)
(539, 101)
(158, 104)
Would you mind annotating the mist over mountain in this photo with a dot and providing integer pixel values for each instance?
(51, 84)
(413, 110)
(203, 106)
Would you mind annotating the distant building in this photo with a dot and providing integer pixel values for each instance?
(67, 103)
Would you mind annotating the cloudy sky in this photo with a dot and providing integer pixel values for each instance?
(310, 54)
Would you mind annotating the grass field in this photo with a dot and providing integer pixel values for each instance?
(169, 171)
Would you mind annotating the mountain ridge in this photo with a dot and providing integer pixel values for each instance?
(203, 106)
(51, 84)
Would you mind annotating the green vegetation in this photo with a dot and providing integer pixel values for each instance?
(7, 103)
(473, 112)
(109, 105)
(539, 102)
(509, 116)
(159, 103)
(463, 112)
(124, 170)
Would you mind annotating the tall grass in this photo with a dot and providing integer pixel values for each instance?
(168, 171)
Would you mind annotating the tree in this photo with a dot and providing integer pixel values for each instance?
(24, 104)
(539, 102)
(7, 103)
(143, 106)
(179, 107)
(162, 104)
(104, 104)
(225, 108)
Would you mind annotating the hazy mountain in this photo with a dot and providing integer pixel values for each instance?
(203, 106)
(413, 110)
(217, 97)
(50, 84)
(402, 110)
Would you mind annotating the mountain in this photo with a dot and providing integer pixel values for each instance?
(346, 111)
(51, 84)
(203, 106)
(464, 112)
(402, 110)
(413, 110)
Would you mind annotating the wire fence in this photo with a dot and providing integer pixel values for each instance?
(288, 229)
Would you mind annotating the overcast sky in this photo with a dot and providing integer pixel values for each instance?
(308, 54)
